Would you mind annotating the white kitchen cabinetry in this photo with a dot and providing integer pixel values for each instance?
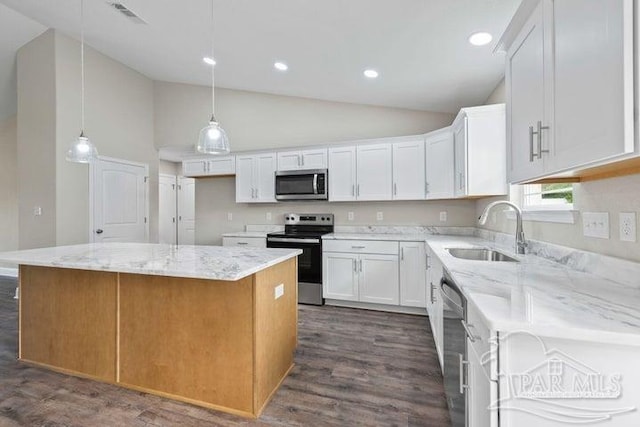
(248, 242)
(413, 271)
(364, 271)
(569, 79)
(255, 178)
(374, 175)
(342, 174)
(480, 151)
(434, 302)
(302, 159)
(439, 164)
(409, 170)
(224, 165)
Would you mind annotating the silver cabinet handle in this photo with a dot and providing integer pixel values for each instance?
(467, 329)
(532, 155)
(353, 189)
(302, 158)
(427, 261)
(360, 266)
(461, 175)
(433, 297)
(401, 254)
(539, 132)
(461, 365)
(355, 266)
(395, 189)
(426, 188)
(358, 190)
(242, 243)
(358, 247)
(257, 193)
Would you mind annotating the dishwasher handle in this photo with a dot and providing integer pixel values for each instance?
(459, 309)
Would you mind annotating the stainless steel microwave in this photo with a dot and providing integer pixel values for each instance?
(309, 184)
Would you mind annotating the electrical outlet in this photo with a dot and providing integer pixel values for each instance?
(443, 216)
(628, 226)
(278, 291)
(350, 216)
(379, 216)
(229, 216)
(268, 216)
(595, 224)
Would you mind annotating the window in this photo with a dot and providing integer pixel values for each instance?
(558, 196)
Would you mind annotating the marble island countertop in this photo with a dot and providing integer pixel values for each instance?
(200, 262)
(541, 296)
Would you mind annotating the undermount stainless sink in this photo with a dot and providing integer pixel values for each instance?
(480, 254)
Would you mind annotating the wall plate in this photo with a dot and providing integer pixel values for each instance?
(595, 224)
(628, 224)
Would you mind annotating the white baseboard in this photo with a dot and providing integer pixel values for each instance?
(377, 307)
(8, 272)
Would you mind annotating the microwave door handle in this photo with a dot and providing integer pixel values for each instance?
(315, 183)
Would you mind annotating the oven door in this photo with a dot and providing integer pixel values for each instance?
(301, 185)
(309, 262)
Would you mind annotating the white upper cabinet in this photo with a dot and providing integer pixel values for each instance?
(439, 164)
(374, 176)
(409, 170)
(342, 174)
(480, 151)
(302, 159)
(569, 81)
(223, 165)
(255, 178)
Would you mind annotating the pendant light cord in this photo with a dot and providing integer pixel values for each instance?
(82, 66)
(213, 95)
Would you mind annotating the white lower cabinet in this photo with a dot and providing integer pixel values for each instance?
(481, 390)
(412, 274)
(434, 302)
(378, 279)
(249, 242)
(340, 273)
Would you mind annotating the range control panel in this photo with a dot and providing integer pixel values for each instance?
(308, 219)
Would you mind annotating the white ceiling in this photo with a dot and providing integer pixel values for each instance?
(419, 47)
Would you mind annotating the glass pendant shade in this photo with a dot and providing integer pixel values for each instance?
(213, 139)
(82, 151)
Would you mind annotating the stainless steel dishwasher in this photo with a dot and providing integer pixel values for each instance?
(455, 350)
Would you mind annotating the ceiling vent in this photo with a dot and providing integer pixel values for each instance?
(130, 14)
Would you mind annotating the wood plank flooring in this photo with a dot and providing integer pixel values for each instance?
(353, 368)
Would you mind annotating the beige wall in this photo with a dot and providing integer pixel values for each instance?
(215, 198)
(258, 120)
(37, 142)
(8, 185)
(613, 195)
(119, 121)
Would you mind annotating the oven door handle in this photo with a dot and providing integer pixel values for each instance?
(291, 240)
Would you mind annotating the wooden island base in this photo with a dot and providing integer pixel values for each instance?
(225, 345)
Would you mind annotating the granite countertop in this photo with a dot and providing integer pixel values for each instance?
(543, 297)
(257, 234)
(200, 262)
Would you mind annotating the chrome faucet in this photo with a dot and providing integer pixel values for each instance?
(521, 243)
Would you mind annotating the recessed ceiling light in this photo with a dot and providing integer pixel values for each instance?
(209, 60)
(372, 74)
(480, 39)
(281, 66)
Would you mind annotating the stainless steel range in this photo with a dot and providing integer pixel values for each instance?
(304, 231)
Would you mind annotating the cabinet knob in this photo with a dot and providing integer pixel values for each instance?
(99, 231)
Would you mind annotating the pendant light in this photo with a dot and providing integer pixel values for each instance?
(82, 150)
(212, 139)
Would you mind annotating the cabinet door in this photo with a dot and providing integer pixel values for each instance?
(434, 303)
(245, 192)
(340, 276)
(264, 177)
(289, 160)
(374, 178)
(439, 165)
(525, 82)
(186, 211)
(378, 279)
(342, 174)
(481, 392)
(460, 157)
(412, 274)
(221, 166)
(408, 170)
(593, 81)
(314, 159)
(194, 167)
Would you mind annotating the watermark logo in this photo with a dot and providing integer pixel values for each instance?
(553, 385)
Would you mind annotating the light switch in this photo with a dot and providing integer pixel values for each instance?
(595, 224)
(443, 216)
(229, 216)
(379, 216)
(350, 216)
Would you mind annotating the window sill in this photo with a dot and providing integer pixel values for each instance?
(558, 216)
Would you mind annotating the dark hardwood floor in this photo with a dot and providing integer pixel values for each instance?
(353, 368)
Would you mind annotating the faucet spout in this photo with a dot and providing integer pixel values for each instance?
(521, 243)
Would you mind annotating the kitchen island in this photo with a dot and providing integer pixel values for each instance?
(208, 325)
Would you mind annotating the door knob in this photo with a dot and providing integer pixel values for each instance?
(99, 231)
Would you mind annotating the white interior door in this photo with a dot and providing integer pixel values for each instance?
(186, 211)
(119, 201)
(167, 212)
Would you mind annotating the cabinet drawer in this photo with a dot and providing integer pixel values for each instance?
(254, 242)
(361, 246)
